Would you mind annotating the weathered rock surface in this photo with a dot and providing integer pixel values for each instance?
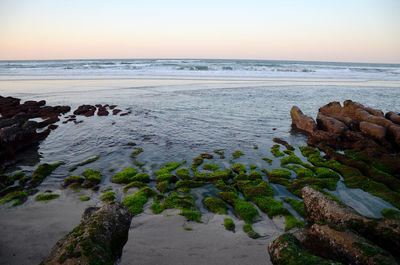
(85, 110)
(337, 232)
(17, 131)
(356, 128)
(98, 239)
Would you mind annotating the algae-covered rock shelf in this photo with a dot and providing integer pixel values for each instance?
(349, 148)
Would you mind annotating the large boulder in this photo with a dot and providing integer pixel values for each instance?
(98, 239)
(373, 130)
(322, 208)
(331, 124)
(301, 121)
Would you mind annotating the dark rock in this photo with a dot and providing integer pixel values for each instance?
(112, 106)
(331, 124)
(102, 111)
(85, 110)
(395, 118)
(98, 239)
(116, 111)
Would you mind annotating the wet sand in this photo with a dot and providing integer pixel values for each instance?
(29, 232)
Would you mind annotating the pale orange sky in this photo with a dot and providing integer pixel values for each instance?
(357, 30)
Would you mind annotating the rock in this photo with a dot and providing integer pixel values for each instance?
(116, 111)
(395, 118)
(102, 111)
(85, 110)
(112, 106)
(331, 124)
(98, 239)
(322, 208)
(373, 130)
(343, 246)
(301, 121)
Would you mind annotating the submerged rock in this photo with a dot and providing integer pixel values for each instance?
(98, 239)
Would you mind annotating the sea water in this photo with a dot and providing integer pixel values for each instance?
(181, 108)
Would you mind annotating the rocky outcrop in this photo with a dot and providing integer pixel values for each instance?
(85, 110)
(337, 232)
(354, 127)
(98, 239)
(17, 131)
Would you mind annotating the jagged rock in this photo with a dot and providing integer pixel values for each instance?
(322, 208)
(102, 111)
(373, 130)
(85, 110)
(301, 121)
(98, 239)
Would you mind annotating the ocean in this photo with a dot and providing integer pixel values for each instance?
(184, 107)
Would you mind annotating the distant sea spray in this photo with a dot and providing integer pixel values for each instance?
(202, 67)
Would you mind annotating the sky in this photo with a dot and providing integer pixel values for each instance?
(311, 30)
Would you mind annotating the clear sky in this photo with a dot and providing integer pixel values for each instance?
(324, 30)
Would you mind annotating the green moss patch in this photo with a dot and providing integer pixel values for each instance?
(216, 205)
(135, 203)
(42, 171)
(239, 168)
(136, 184)
(136, 152)
(93, 177)
(297, 205)
(229, 224)
(125, 176)
(18, 196)
(163, 186)
(46, 197)
(108, 196)
(90, 160)
(245, 210)
(210, 167)
(84, 198)
(391, 214)
(248, 229)
(275, 151)
(191, 215)
(220, 153)
(229, 197)
(268, 160)
(237, 154)
(183, 173)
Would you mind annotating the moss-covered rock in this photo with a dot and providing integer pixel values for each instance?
(297, 205)
(391, 214)
(229, 224)
(142, 177)
(93, 178)
(248, 229)
(210, 167)
(163, 186)
(125, 176)
(73, 179)
(191, 215)
(245, 210)
(46, 197)
(216, 205)
(239, 168)
(229, 197)
(108, 196)
(275, 151)
(98, 239)
(42, 171)
(136, 152)
(220, 153)
(136, 184)
(135, 203)
(90, 160)
(237, 154)
(84, 198)
(183, 173)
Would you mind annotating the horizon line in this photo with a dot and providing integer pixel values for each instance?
(190, 58)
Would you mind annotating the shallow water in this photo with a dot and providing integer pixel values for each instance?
(176, 119)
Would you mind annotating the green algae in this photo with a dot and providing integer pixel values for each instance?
(18, 196)
(187, 228)
(142, 177)
(297, 205)
(253, 175)
(239, 168)
(163, 186)
(210, 167)
(136, 152)
(90, 160)
(391, 214)
(322, 172)
(292, 254)
(262, 189)
(191, 215)
(183, 173)
(248, 229)
(108, 196)
(237, 154)
(46, 197)
(42, 171)
(84, 198)
(275, 151)
(229, 224)
(221, 185)
(186, 185)
(245, 210)
(125, 176)
(228, 196)
(136, 184)
(216, 205)
(139, 164)
(197, 161)
(220, 153)
(268, 160)
(164, 177)
(135, 203)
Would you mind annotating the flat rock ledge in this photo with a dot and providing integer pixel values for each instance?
(337, 234)
(98, 239)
